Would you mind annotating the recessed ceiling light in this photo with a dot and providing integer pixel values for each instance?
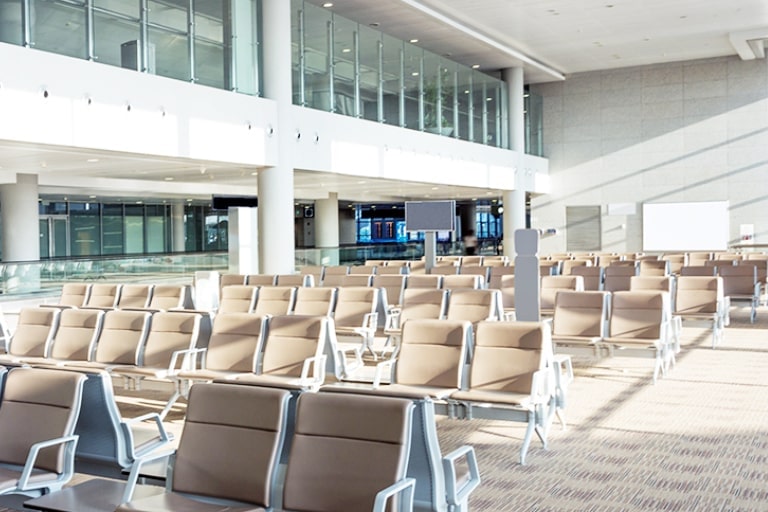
(328, 4)
(361, 182)
(189, 200)
(346, 50)
(139, 202)
(415, 73)
(92, 160)
(91, 197)
(435, 188)
(254, 173)
(374, 24)
(414, 41)
(475, 66)
(169, 178)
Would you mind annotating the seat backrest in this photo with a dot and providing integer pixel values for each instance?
(315, 301)
(549, 268)
(356, 280)
(473, 305)
(638, 315)
(483, 271)
(650, 267)
(103, 295)
(423, 303)
(506, 287)
(38, 405)
(135, 296)
(260, 279)
(738, 279)
(75, 339)
(698, 258)
(432, 353)
(445, 269)
(465, 281)
(365, 270)
(580, 313)
(393, 286)
(471, 261)
(230, 279)
(275, 300)
(761, 267)
(290, 340)
(74, 294)
(393, 269)
(698, 270)
(618, 277)
(507, 354)
(294, 280)
(698, 294)
(424, 281)
(335, 270)
(238, 298)
(235, 342)
(168, 296)
(494, 280)
(353, 303)
(350, 430)
(231, 443)
(592, 276)
(122, 337)
(316, 271)
(169, 332)
(676, 262)
(34, 332)
(550, 285)
(567, 266)
(646, 282)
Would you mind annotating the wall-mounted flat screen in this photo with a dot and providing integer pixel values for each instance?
(699, 226)
(430, 215)
(225, 202)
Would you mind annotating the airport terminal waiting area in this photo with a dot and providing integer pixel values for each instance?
(325, 390)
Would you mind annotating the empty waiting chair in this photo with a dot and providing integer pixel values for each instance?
(134, 296)
(260, 279)
(740, 284)
(700, 298)
(638, 325)
(352, 431)
(275, 300)
(567, 266)
(230, 279)
(166, 297)
(294, 280)
(511, 373)
(103, 295)
(351, 280)
(699, 270)
(592, 276)
(579, 321)
(238, 298)
(463, 281)
(122, 338)
(33, 335)
(212, 462)
(39, 407)
(316, 271)
(418, 303)
(73, 295)
(392, 287)
(618, 277)
(676, 262)
(319, 301)
(355, 315)
(550, 285)
(650, 267)
(424, 281)
(474, 305)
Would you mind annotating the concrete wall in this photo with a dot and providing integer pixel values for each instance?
(680, 132)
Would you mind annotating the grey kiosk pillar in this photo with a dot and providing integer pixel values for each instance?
(527, 282)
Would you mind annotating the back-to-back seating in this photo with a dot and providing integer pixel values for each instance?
(579, 321)
(700, 298)
(212, 472)
(740, 284)
(33, 335)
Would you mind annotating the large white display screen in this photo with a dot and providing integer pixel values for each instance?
(701, 226)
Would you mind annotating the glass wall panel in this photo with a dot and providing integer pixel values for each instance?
(243, 66)
(297, 51)
(59, 27)
(156, 226)
(110, 33)
(534, 134)
(412, 80)
(392, 50)
(465, 105)
(168, 41)
(369, 51)
(133, 223)
(477, 93)
(448, 80)
(209, 43)
(317, 78)
(433, 89)
(217, 231)
(344, 67)
(84, 229)
(130, 8)
(112, 229)
(493, 109)
(11, 24)
(194, 227)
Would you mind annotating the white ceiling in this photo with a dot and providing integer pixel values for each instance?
(551, 39)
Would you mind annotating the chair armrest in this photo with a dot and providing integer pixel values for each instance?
(161, 439)
(380, 367)
(318, 373)
(457, 495)
(393, 318)
(69, 460)
(560, 362)
(189, 361)
(357, 354)
(542, 386)
(133, 476)
(405, 487)
(369, 321)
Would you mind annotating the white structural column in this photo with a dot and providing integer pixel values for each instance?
(177, 227)
(514, 200)
(276, 229)
(327, 228)
(20, 219)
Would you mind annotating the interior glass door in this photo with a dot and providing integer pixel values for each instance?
(54, 234)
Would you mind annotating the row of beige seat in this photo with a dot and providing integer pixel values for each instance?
(211, 469)
(124, 296)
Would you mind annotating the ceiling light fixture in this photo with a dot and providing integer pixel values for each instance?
(92, 160)
(414, 41)
(328, 4)
(475, 66)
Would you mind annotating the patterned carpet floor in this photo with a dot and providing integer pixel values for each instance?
(697, 440)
